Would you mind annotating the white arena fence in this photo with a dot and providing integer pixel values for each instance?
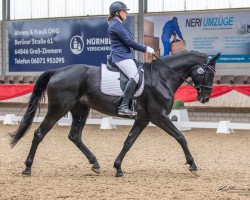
(179, 118)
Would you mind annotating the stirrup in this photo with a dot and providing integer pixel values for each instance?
(127, 112)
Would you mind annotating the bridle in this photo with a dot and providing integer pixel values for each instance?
(203, 71)
(199, 71)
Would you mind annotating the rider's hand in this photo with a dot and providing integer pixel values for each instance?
(150, 50)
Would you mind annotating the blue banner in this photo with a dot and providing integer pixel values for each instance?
(41, 45)
(234, 59)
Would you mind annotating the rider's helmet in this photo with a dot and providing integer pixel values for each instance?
(117, 6)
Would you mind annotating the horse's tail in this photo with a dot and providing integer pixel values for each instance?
(34, 102)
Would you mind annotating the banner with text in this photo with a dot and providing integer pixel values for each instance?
(210, 33)
(40, 45)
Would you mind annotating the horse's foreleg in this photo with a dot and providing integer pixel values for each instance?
(137, 128)
(166, 124)
(40, 132)
(79, 115)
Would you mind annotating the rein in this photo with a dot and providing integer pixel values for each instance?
(185, 80)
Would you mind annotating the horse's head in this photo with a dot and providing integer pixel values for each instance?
(202, 76)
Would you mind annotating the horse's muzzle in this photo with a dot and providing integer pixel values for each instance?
(202, 99)
(205, 100)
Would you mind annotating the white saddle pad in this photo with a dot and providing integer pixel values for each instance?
(110, 83)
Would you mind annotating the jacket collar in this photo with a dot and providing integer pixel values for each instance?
(118, 19)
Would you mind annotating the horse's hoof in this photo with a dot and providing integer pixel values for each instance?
(119, 174)
(26, 172)
(96, 170)
(193, 169)
(195, 173)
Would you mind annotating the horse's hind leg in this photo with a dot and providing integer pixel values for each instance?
(166, 124)
(79, 116)
(46, 125)
(136, 130)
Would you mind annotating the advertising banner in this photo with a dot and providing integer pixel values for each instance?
(39, 45)
(210, 33)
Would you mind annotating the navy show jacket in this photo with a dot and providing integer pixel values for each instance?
(122, 43)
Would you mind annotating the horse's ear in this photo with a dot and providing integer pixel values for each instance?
(212, 61)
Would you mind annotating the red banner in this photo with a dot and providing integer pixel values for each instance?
(11, 91)
(189, 94)
(184, 93)
(243, 89)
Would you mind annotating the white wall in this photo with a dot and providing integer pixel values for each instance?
(1, 6)
(26, 9)
(182, 5)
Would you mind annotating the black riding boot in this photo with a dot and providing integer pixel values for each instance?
(128, 94)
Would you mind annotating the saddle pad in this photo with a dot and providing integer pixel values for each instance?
(110, 83)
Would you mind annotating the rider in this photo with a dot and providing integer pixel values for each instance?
(122, 52)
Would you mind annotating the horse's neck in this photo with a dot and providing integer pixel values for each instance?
(183, 70)
(180, 72)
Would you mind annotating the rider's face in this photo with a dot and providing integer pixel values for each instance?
(123, 14)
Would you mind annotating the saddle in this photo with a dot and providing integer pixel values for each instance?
(111, 66)
(114, 81)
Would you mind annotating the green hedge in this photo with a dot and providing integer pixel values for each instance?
(178, 104)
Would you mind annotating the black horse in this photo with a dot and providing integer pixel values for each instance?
(76, 89)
